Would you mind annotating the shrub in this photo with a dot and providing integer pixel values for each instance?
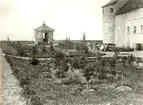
(113, 65)
(9, 60)
(23, 81)
(81, 47)
(35, 100)
(124, 49)
(131, 59)
(34, 61)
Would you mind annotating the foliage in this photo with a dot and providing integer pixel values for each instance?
(7, 48)
(41, 90)
(102, 70)
(35, 61)
(131, 59)
(81, 47)
(124, 49)
(8, 60)
(61, 63)
(44, 49)
(113, 65)
(75, 62)
(51, 48)
(88, 72)
(67, 44)
(72, 80)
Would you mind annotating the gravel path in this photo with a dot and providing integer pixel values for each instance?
(1, 70)
(11, 88)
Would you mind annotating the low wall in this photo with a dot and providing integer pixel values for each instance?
(138, 54)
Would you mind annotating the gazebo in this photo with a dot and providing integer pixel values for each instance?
(43, 34)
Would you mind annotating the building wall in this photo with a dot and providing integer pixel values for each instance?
(130, 19)
(38, 36)
(108, 24)
(50, 37)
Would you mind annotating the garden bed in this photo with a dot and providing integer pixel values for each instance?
(41, 87)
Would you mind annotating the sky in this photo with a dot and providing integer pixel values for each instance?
(69, 18)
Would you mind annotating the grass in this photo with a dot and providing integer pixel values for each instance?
(38, 85)
(22, 49)
(8, 49)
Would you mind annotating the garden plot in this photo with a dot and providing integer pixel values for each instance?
(41, 87)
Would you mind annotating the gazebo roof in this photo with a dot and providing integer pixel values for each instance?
(44, 28)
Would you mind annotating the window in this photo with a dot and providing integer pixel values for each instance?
(128, 30)
(111, 10)
(134, 29)
(141, 28)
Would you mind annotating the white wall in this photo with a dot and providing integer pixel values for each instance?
(130, 19)
(108, 24)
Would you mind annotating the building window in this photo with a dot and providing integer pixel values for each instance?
(111, 10)
(128, 30)
(134, 29)
(141, 28)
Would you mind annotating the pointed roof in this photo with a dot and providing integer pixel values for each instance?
(129, 6)
(44, 28)
(110, 3)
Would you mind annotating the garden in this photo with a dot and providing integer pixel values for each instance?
(76, 81)
(66, 80)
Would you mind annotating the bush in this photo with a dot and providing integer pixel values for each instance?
(34, 61)
(8, 60)
(124, 49)
(35, 100)
(72, 80)
(24, 81)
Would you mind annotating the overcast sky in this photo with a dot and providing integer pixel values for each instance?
(70, 18)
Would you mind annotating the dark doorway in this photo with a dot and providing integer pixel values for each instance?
(45, 37)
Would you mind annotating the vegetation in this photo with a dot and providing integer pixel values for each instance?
(39, 85)
(124, 49)
(62, 79)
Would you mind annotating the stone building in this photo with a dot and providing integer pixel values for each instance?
(43, 34)
(123, 22)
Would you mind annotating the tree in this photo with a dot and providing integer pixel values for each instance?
(82, 47)
(130, 60)
(34, 60)
(8, 39)
(113, 65)
(88, 72)
(102, 71)
(62, 64)
(44, 50)
(51, 48)
(84, 36)
(75, 62)
(124, 60)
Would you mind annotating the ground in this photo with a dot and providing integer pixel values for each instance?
(11, 88)
(1, 70)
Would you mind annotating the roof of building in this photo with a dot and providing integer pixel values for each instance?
(129, 6)
(110, 3)
(44, 28)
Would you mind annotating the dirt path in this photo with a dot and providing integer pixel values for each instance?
(11, 88)
(1, 70)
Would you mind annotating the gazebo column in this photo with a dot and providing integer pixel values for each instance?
(41, 37)
(36, 37)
